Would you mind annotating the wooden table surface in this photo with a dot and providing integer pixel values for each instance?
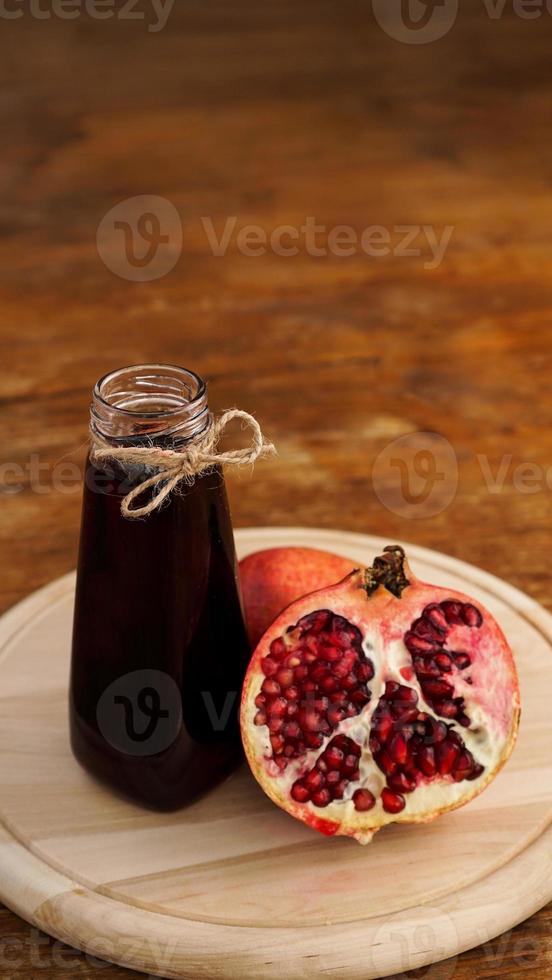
(272, 113)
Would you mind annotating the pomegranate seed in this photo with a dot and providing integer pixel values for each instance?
(476, 772)
(392, 802)
(321, 704)
(446, 754)
(391, 689)
(447, 709)
(384, 726)
(301, 673)
(329, 683)
(436, 617)
(417, 644)
(471, 615)
(281, 762)
(293, 661)
(309, 687)
(334, 756)
(342, 742)
(426, 668)
(437, 689)
(260, 701)
(463, 766)
(338, 791)
(270, 687)
(398, 749)
(426, 760)
(341, 638)
(360, 698)
(336, 714)
(310, 720)
(333, 778)
(315, 622)
(455, 738)
(322, 797)
(312, 645)
(444, 662)
(292, 730)
(278, 648)
(438, 731)
(269, 666)
(341, 669)
(314, 779)
(418, 738)
(292, 693)
(349, 682)
(289, 751)
(386, 764)
(275, 724)
(277, 708)
(463, 720)
(461, 659)
(260, 718)
(299, 792)
(363, 800)
(453, 612)
(364, 671)
(277, 743)
(332, 654)
(402, 783)
(313, 740)
(349, 764)
(285, 677)
(406, 715)
(422, 627)
(405, 695)
(292, 709)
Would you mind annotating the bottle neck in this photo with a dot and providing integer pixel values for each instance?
(149, 404)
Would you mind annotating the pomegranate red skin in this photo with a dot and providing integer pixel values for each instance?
(272, 579)
(385, 615)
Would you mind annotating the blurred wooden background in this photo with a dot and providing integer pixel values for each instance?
(270, 113)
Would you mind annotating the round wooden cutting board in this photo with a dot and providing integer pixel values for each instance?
(232, 887)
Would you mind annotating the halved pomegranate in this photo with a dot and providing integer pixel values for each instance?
(273, 578)
(379, 699)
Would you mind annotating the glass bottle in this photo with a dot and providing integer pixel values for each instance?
(159, 643)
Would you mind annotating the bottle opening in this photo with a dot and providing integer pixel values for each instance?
(150, 400)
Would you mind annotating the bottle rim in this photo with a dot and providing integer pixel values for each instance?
(150, 399)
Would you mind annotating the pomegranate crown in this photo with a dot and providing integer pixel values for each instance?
(388, 571)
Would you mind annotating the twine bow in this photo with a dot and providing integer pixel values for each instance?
(172, 466)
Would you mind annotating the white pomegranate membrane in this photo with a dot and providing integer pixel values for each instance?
(379, 699)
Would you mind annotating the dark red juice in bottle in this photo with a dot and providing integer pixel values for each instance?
(159, 644)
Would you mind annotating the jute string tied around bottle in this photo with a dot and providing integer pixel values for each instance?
(172, 466)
